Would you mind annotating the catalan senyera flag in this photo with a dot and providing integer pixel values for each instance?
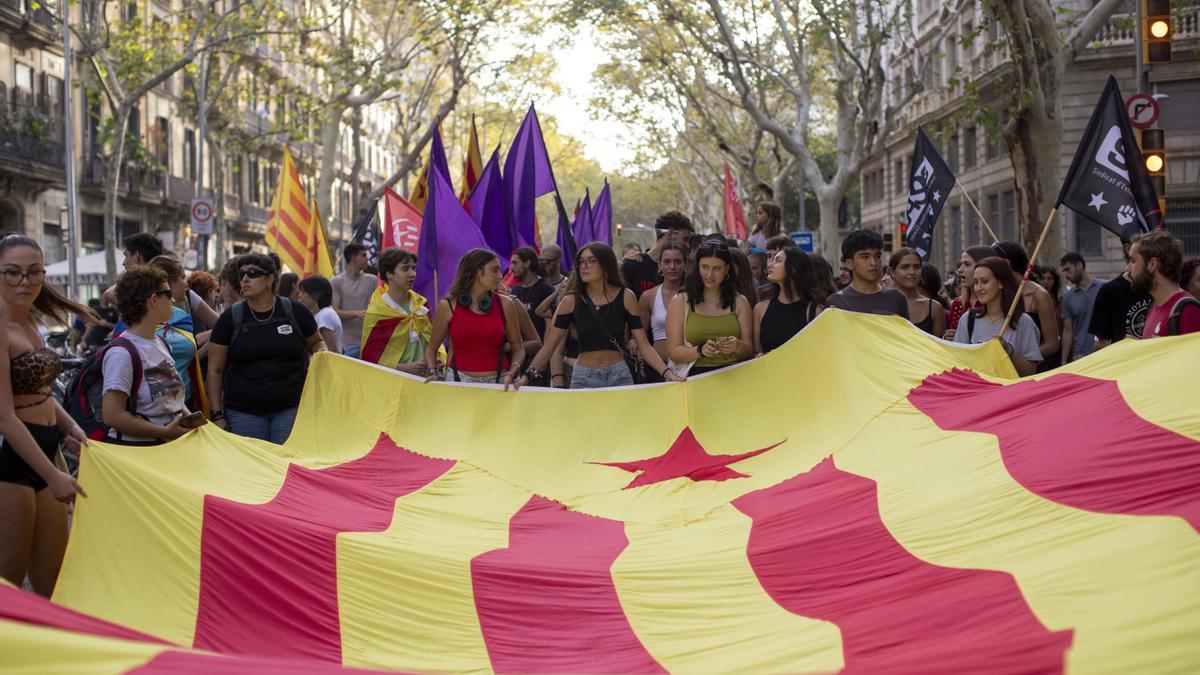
(924, 514)
(290, 230)
(387, 331)
(319, 260)
(472, 167)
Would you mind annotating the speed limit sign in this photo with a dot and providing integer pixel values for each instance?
(202, 216)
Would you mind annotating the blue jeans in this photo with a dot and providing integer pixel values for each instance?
(616, 375)
(352, 349)
(275, 427)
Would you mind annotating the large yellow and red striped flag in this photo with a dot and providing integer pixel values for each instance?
(826, 507)
(290, 231)
(472, 167)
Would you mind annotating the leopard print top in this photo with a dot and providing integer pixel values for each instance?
(32, 372)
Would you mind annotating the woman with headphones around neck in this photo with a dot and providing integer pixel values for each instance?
(479, 322)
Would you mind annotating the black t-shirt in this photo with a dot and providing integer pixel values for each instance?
(640, 275)
(267, 364)
(531, 297)
(1119, 310)
(97, 334)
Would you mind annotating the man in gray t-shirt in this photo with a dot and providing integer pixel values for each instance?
(352, 291)
(862, 254)
(1077, 306)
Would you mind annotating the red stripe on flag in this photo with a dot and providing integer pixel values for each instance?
(175, 662)
(19, 606)
(1107, 459)
(288, 249)
(268, 572)
(547, 603)
(299, 206)
(821, 550)
(377, 340)
(301, 232)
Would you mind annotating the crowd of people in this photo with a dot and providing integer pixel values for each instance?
(169, 351)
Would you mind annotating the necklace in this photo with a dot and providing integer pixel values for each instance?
(259, 318)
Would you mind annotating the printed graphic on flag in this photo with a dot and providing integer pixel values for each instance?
(928, 188)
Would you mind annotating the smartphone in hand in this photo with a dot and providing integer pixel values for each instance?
(193, 420)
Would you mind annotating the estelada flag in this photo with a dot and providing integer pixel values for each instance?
(389, 330)
(952, 519)
(472, 167)
(401, 222)
(290, 231)
(1107, 182)
(735, 216)
(318, 259)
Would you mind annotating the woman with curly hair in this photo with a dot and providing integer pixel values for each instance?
(149, 410)
(33, 491)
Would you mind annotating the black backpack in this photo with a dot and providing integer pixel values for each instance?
(1177, 312)
(85, 391)
(240, 326)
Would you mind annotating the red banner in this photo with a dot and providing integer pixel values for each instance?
(401, 222)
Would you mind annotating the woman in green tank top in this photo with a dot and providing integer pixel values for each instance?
(710, 325)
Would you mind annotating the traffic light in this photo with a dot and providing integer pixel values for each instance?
(1154, 154)
(1156, 31)
(902, 229)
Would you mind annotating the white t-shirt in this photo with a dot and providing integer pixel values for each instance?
(328, 318)
(1023, 337)
(160, 396)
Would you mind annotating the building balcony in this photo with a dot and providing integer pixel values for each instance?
(28, 24)
(1121, 29)
(31, 141)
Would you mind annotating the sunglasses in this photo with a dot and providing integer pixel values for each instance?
(166, 293)
(253, 273)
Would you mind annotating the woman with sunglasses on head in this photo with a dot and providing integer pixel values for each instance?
(710, 324)
(995, 288)
(906, 267)
(479, 323)
(795, 303)
(150, 410)
(258, 356)
(33, 491)
(601, 309)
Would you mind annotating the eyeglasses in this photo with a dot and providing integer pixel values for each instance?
(15, 277)
(166, 293)
(588, 262)
(253, 273)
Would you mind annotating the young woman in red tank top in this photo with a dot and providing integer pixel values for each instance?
(480, 324)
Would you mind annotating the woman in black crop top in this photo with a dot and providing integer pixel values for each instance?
(794, 304)
(33, 529)
(906, 268)
(601, 309)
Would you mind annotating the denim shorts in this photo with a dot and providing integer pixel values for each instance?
(470, 379)
(616, 375)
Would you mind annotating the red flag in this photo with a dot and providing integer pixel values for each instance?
(401, 222)
(735, 217)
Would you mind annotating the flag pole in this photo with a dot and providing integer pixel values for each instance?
(977, 211)
(1028, 271)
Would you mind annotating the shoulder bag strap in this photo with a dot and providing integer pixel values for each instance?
(1177, 313)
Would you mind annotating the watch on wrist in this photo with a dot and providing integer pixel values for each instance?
(215, 415)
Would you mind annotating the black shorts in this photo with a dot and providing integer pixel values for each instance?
(13, 469)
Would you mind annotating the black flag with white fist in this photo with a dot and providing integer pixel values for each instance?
(928, 189)
(1107, 182)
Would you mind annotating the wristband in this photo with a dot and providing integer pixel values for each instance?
(215, 415)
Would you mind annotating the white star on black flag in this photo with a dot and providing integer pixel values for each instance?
(931, 178)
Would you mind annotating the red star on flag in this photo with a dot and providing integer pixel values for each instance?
(686, 458)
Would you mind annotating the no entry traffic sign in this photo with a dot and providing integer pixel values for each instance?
(1142, 110)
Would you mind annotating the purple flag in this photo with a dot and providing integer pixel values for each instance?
(447, 232)
(582, 227)
(437, 155)
(487, 208)
(566, 238)
(527, 176)
(602, 216)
